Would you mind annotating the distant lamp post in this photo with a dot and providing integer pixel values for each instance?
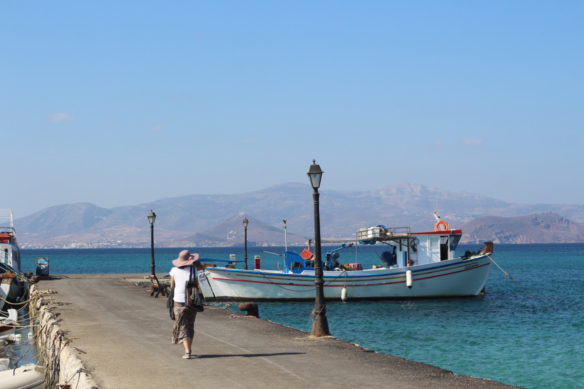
(245, 224)
(319, 323)
(285, 235)
(151, 219)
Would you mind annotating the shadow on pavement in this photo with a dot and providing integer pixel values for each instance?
(244, 355)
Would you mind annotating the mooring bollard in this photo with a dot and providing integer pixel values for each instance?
(252, 309)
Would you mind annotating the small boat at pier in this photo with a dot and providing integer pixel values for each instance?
(414, 265)
(28, 376)
(13, 286)
(42, 267)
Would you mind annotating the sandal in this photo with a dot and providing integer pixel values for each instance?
(186, 356)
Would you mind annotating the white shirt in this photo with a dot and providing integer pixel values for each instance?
(181, 277)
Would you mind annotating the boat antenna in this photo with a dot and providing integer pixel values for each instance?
(285, 235)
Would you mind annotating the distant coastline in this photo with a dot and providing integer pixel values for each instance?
(216, 221)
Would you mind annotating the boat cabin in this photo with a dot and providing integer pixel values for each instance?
(9, 253)
(405, 248)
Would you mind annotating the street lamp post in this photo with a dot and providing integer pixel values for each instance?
(319, 323)
(285, 235)
(245, 223)
(151, 219)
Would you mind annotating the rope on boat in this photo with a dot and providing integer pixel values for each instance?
(500, 268)
(209, 283)
(20, 326)
(17, 303)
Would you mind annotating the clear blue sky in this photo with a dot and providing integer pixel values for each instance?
(125, 102)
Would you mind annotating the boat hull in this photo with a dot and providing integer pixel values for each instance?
(12, 290)
(451, 278)
(4, 291)
(24, 377)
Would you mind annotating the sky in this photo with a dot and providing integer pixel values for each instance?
(125, 102)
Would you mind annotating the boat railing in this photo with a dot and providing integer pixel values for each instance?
(6, 221)
(7, 230)
(395, 231)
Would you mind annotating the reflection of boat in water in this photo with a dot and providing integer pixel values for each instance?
(415, 265)
(13, 287)
(15, 345)
(24, 377)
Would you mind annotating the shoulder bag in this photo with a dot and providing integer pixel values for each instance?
(196, 298)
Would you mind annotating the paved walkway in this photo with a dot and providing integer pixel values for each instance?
(124, 335)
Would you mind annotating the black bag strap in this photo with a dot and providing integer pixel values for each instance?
(193, 280)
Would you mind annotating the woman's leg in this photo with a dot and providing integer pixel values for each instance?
(189, 331)
(187, 344)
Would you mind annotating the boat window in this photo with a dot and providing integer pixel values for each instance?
(454, 239)
(443, 248)
(389, 256)
(414, 250)
(435, 248)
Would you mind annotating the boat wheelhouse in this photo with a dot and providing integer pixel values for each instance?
(12, 287)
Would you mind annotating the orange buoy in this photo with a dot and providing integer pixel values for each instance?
(439, 224)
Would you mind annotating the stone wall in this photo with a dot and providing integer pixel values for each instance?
(64, 367)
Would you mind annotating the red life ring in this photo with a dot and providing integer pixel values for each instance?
(441, 223)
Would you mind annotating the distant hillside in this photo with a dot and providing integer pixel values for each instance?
(231, 233)
(538, 228)
(206, 218)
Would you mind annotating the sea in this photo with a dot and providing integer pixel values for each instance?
(527, 330)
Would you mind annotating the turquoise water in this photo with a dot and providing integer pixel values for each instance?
(526, 332)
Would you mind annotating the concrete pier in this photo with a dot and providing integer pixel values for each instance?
(121, 335)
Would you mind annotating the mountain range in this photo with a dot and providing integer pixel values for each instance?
(215, 220)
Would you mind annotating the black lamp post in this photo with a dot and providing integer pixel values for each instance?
(245, 223)
(319, 323)
(151, 219)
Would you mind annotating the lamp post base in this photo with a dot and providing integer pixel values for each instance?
(320, 325)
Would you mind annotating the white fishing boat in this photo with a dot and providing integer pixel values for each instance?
(24, 377)
(414, 265)
(13, 287)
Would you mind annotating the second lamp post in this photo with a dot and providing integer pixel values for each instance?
(151, 219)
(319, 323)
(245, 223)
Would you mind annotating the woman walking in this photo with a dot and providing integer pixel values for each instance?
(182, 274)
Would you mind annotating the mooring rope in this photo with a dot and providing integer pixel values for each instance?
(78, 374)
(20, 326)
(500, 268)
(17, 303)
